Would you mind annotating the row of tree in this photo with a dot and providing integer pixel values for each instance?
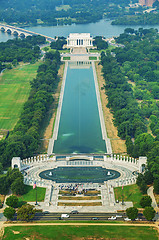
(138, 61)
(127, 114)
(148, 212)
(24, 139)
(18, 49)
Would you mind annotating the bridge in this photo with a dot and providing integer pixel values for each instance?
(20, 32)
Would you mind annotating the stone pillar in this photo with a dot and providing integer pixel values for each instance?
(16, 163)
(142, 162)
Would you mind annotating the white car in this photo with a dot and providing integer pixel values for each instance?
(127, 219)
(64, 216)
(112, 218)
(119, 216)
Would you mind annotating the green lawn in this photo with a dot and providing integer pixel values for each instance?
(130, 193)
(66, 58)
(64, 51)
(92, 58)
(80, 232)
(30, 195)
(110, 47)
(14, 91)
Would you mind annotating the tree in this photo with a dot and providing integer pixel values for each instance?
(26, 212)
(12, 201)
(129, 145)
(4, 185)
(132, 212)
(156, 185)
(14, 174)
(148, 177)
(1, 205)
(18, 187)
(143, 187)
(1, 168)
(149, 213)
(9, 212)
(145, 201)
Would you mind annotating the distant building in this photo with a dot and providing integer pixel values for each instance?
(79, 40)
(147, 3)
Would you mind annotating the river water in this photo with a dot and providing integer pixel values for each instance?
(101, 28)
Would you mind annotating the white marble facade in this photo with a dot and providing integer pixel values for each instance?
(79, 40)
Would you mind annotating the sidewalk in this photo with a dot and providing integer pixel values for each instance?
(154, 203)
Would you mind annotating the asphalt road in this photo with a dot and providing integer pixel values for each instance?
(82, 216)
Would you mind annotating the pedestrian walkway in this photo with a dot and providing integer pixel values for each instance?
(151, 194)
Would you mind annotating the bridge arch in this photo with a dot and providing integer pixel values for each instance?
(22, 35)
(2, 29)
(15, 33)
(9, 31)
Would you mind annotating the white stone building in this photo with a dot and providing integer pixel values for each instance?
(79, 40)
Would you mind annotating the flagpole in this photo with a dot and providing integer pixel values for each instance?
(36, 195)
(35, 187)
(122, 197)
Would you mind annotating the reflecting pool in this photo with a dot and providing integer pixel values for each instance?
(79, 128)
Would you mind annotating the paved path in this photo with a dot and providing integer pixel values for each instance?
(154, 203)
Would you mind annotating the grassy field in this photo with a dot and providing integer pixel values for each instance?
(80, 232)
(92, 58)
(66, 58)
(130, 193)
(110, 47)
(14, 91)
(79, 204)
(79, 198)
(30, 195)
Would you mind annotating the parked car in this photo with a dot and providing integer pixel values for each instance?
(127, 219)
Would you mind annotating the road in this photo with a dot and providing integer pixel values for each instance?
(81, 216)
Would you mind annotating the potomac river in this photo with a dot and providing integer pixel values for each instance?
(101, 28)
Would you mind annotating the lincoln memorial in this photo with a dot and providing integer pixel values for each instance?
(79, 40)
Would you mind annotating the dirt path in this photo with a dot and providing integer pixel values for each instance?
(49, 129)
(83, 224)
(118, 145)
